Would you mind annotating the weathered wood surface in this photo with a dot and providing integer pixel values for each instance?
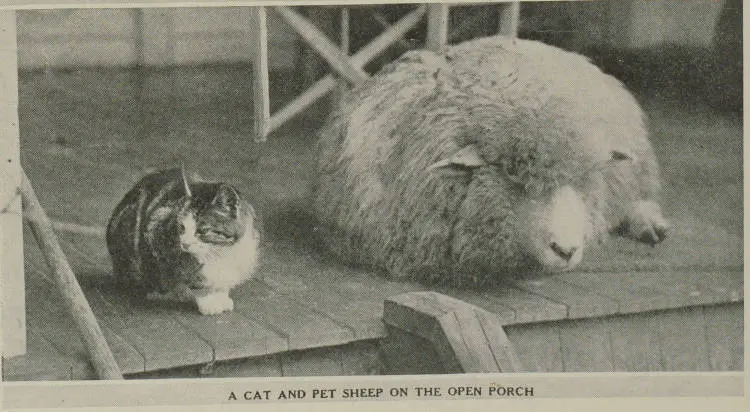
(356, 358)
(465, 337)
(508, 18)
(13, 335)
(438, 17)
(699, 338)
(301, 302)
(261, 91)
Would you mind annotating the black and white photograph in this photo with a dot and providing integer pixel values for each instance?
(196, 193)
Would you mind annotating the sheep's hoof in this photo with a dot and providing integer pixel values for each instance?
(645, 222)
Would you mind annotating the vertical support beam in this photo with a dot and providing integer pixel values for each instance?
(13, 326)
(508, 17)
(437, 26)
(344, 41)
(261, 99)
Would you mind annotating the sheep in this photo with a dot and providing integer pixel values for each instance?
(490, 158)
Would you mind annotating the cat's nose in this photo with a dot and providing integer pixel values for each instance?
(197, 285)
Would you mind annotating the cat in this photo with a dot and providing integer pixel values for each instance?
(176, 240)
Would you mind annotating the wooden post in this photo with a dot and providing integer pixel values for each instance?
(13, 326)
(437, 26)
(327, 49)
(508, 17)
(467, 339)
(75, 301)
(360, 58)
(261, 99)
(344, 43)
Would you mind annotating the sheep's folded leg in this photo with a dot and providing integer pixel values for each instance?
(645, 223)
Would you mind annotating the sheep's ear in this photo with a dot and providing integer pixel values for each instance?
(466, 157)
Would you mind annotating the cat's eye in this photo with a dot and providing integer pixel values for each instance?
(182, 228)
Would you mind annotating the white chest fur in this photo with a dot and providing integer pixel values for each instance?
(223, 267)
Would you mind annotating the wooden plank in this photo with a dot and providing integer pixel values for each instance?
(413, 312)
(580, 302)
(508, 18)
(502, 349)
(690, 288)
(724, 333)
(437, 26)
(50, 320)
(528, 307)
(636, 344)
(303, 326)
(42, 362)
(683, 340)
(353, 299)
(631, 296)
(460, 332)
(359, 59)
(232, 335)
(327, 49)
(361, 358)
(454, 353)
(480, 330)
(505, 314)
(13, 332)
(261, 100)
(403, 353)
(149, 327)
(538, 346)
(312, 362)
(586, 346)
(265, 366)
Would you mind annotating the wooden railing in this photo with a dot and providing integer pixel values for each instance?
(344, 66)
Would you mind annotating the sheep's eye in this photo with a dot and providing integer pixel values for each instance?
(619, 156)
(203, 230)
(182, 228)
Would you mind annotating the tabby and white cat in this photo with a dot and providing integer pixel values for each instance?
(183, 241)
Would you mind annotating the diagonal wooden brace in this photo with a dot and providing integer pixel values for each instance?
(360, 58)
(75, 301)
(320, 42)
(465, 337)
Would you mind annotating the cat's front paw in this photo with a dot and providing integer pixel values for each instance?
(215, 303)
(645, 222)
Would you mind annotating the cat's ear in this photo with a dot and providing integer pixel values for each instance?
(226, 201)
(185, 182)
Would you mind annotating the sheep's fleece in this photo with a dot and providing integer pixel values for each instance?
(494, 157)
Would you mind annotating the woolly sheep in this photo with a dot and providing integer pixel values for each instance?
(497, 156)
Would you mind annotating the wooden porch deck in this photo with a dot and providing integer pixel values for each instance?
(86, 137)
(299, 302)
